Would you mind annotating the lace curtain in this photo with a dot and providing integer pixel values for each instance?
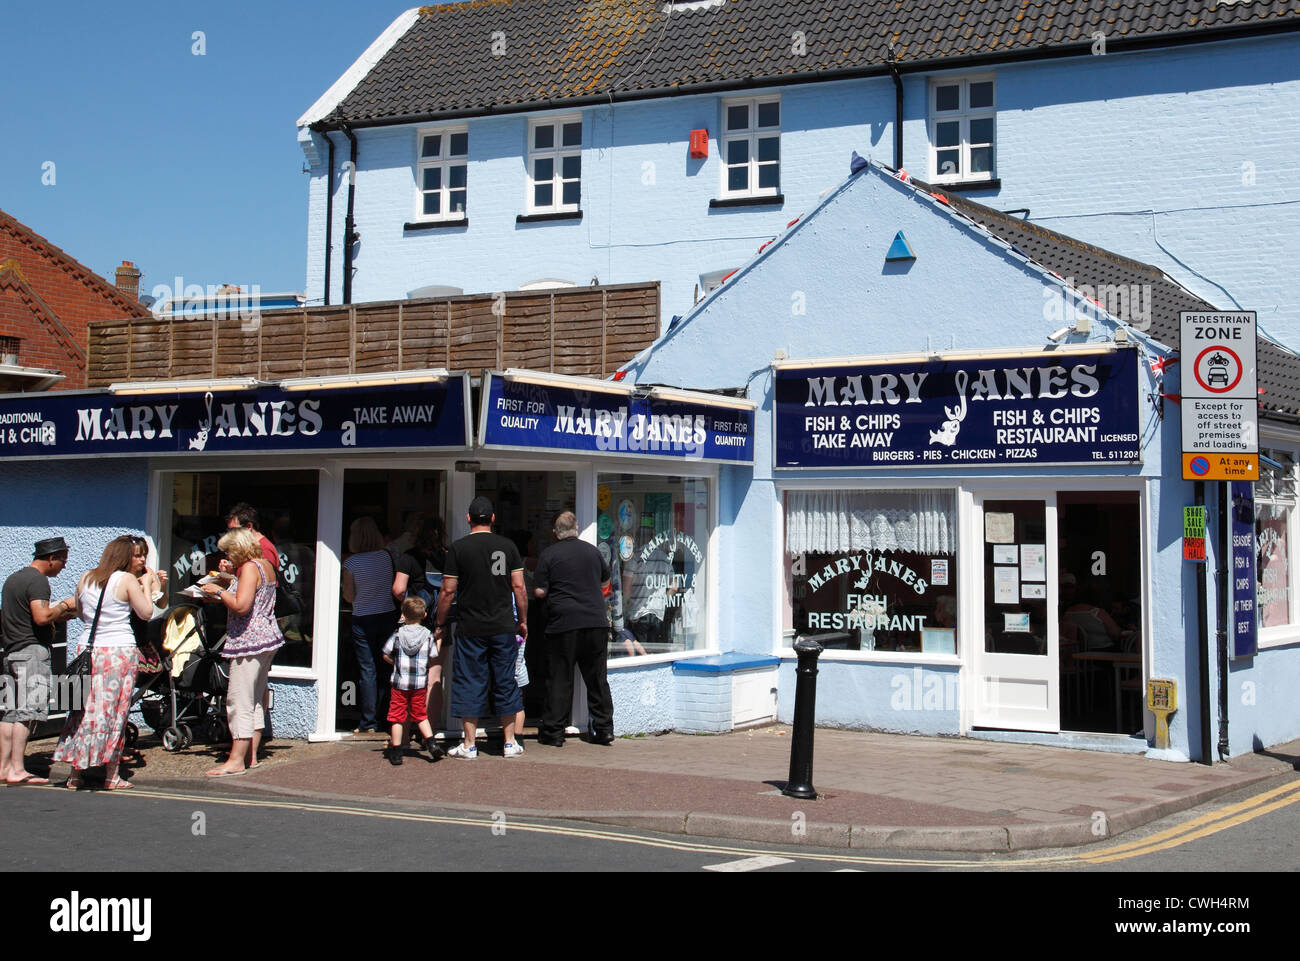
(838, 522)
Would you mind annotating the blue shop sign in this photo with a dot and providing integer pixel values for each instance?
(428, 414)
(517, 413)
(1244, 593)
(1040, 408)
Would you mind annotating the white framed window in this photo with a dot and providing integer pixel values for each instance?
(442, 174)
(555, 165)
(1277, 524)
(751, 147)
(878, 564)
(963, 129)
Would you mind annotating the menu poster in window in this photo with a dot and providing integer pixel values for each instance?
(1272, 555)
(1000, 528)
(1006, 585)
(1006, 554)
(1033, 562)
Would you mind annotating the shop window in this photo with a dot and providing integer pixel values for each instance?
(286, 506)
(654, 533)
(963, 129)
(880, 566)
(1275, 538)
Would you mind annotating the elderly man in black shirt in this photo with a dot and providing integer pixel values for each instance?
(572, 575)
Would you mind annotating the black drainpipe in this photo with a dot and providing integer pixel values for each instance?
(898, 112)
(349, 234)
(329, 216)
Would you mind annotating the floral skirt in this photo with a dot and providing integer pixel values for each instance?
(95, 734)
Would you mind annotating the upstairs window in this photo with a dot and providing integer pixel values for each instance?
(962, 129)
(555, 165)
(441, 174)
(751, 147)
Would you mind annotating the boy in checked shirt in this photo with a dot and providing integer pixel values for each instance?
(411, 650)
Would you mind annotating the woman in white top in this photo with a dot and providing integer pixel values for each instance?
(95, 734)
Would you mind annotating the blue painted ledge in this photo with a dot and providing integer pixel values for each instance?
(725, 663)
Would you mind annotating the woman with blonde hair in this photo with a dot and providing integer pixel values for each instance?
(106, 596)
(252, 638)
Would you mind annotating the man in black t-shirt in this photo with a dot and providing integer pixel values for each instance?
(572, 575)
(28, 620)
(483, 572)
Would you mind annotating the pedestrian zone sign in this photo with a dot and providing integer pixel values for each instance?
(1220, 401)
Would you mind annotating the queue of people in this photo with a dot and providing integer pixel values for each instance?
(403, 606)
(486, 586)
(116, 600)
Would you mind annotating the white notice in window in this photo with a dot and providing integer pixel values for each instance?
(1033, 562)
(1015, 623)
(1000, 528)
(1006, 585)
(1006, 554)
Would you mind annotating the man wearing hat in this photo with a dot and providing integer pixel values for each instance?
(28, 620)
(483, 571)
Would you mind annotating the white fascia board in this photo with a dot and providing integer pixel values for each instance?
(345, 84)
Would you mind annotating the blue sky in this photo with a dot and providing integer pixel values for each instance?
(187, 165)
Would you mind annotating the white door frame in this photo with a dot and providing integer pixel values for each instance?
(1012, 674)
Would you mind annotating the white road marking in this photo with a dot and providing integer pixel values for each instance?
(749, 864)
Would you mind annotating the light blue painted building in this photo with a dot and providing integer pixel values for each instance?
(481, 147)
(1104, 534)
(898, 425)
(484, 148)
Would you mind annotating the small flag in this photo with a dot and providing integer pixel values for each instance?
(1160, 364)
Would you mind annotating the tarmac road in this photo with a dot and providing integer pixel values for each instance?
(186, 829)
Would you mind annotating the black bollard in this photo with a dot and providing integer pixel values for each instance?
(799, 784)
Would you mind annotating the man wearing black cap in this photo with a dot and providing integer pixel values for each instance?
(28, 621)
(483, 572)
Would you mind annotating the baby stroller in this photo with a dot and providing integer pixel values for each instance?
(189, 694)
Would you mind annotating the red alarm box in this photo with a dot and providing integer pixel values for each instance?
(699, 143)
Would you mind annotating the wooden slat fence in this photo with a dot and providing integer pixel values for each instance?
(586, 331)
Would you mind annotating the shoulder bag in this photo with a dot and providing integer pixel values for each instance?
(80, 665)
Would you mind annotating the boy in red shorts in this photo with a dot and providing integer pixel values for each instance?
(411, 650)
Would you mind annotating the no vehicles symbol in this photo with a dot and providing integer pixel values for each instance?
(1218, 369)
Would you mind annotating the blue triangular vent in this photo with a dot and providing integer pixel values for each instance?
(899, 249)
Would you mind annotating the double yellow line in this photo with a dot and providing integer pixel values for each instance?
(1199, 827)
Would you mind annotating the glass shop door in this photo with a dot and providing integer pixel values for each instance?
(1017, 676)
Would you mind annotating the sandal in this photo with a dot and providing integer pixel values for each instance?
(117, 784)
(74, 783)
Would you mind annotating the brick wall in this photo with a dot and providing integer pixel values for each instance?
(68, 290)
